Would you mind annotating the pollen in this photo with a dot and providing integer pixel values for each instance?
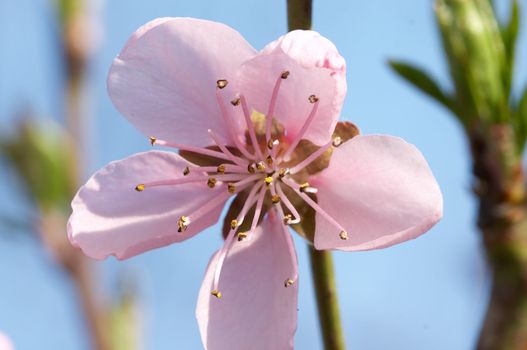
(183, 223)
(337, 141)
(242, 236)
(212, 182)
(186, 171)
(234, 224)
(288, 282)
(269, 160)
(287, 219)
(268, 180)
(343, 235)
(304, 187)
(284, 74)
(283, 172)
(216, 293)
(275, 199)
(260, 166)
(231, 188)
(140, 187)
(220, 169)
(312, 99)
(222, 83)
(236, 102)
(152, 140)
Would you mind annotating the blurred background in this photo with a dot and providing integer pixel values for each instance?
(430, 293)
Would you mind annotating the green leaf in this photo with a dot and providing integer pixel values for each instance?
(422, 81)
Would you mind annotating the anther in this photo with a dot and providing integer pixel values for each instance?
(236, 102)
(288, 282)
(287, 219)
(337, 141)
(216, 293)
(269, 160)
(283, 172)
(275, 199)
(312, 99)
(260, 166)
(220, 169)
(140, 187)
(272, 143)
(242, 236)
(343, 235)
(183, 223)
(152, 140)
(303, 187)
(186, 171)
(221, 83)
(231, 188)
(251, 168)
(284, 74)
(211, 182)
(268, 180)
(234, 224)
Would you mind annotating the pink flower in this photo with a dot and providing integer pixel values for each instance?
(5, 342)
(199, 87)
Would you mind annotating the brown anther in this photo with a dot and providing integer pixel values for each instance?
(234, 224)
(220, 169)
(284, 74)
(231, 188)
(275, 199)
(268, 180)
(304, 187)
(283, 172)
(251, 168)
(343, 235)
(236, 102)
(221, 83)
(242, 236)
(182, 223)
(140, 188)
(312, 99)
(152, 140)
(216, 293)
(270, 144)
(186, 171)
(288, 282)
(211, 182)
(287, 219)
(337, 141)
(260, 166)
(269, 160)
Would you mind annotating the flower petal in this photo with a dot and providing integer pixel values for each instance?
(380, 189)
(316, 68)
(256, 310)
(111, 218)
(164, 80)
(5, 342)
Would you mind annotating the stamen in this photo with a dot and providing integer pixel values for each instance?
(288, 282)
(272, 105)
(311, 158)
(250, 128)
(216, 293)
(170, 182)
(287, 219)
(290, 245)
(268, 180)
(234, 224)
(247, 179)
(236, 102)
(283, 172)
(260, 166)
(313, 204)
(186, 171)
(251, 168)
(302, 131)
(288, 205)
(343, 235)
(199, 150)
(231, 126)
(231, 187)
(241, 236)
(275, 199)
(269, 160)
(258, 209)
(183, 223)
(140, 187)
(222, 83)
(312, 99)
(211, 182)
(220, 169)
(337, 141)
(225, 150)
(152, 140)
(305, 188)
(284, 74)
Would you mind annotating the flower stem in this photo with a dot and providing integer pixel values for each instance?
(326, 291)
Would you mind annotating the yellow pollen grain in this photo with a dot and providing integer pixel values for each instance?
(268, 180)
(211, 182)
(216, 293)
(231, 188)
(275, 199)
(220, 169)
(283, 172)
(221, 83)
(260, 166)
(304, 187)
(242, 236)
(182, 223)
(234, 224)
(140, 187)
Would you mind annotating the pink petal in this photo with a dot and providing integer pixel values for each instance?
(164, 80)
(256, 310)
(111, 218)
(380, 189)
(316, 68)
(5, 342)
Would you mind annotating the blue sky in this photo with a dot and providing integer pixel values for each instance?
(429, 293)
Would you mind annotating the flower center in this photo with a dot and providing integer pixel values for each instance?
(262, 169)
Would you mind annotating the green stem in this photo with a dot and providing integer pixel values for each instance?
(299, 14)
(327, 301)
